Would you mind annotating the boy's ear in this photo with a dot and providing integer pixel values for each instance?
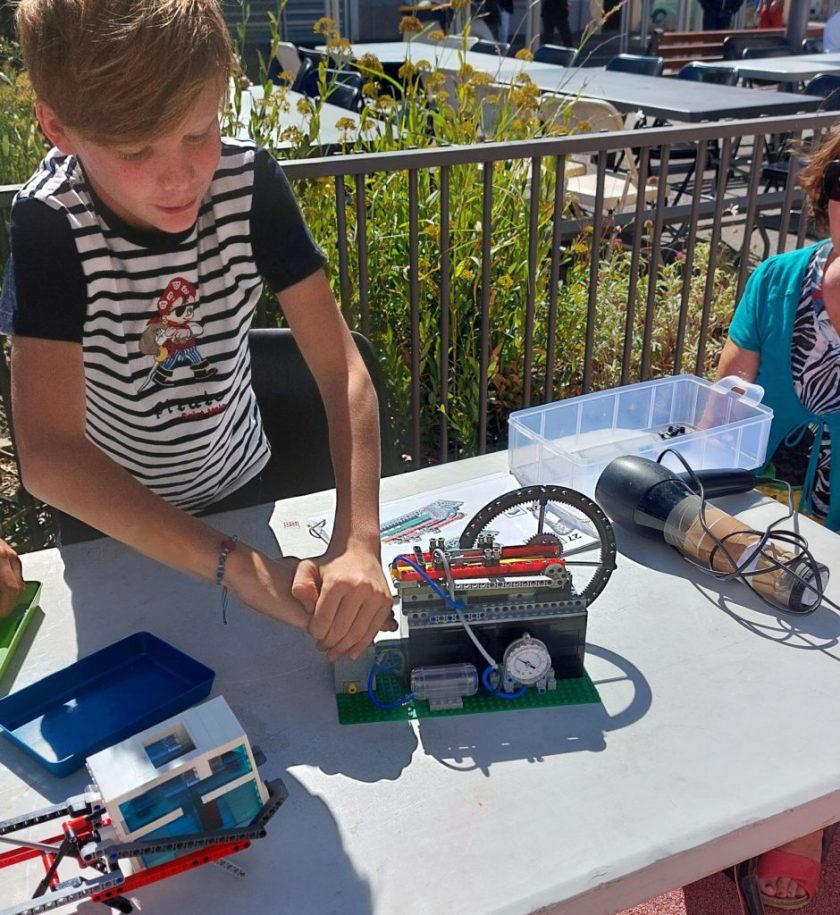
(54, 128)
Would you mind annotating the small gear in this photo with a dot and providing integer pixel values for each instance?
(545, 540)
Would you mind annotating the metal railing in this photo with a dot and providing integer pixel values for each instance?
(724, 193)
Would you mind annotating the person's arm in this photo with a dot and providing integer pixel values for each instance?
(354, 602)
(63, 468)
(11, 579)
(735, 360)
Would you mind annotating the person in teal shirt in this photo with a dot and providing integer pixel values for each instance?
(785, 336)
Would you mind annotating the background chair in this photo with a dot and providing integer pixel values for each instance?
(734, 45)
(621, 189)
(311, 54)
(344, 87)
(708, 73)
(637, 63)
(812, 45)
(294, 418)
(555, 54)
(774, 173)
(285, 59)
(499, 48)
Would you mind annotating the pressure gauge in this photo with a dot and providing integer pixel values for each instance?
(526, 660)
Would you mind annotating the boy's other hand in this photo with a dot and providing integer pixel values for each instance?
(11, 579)
(348, 598)
(266, 585)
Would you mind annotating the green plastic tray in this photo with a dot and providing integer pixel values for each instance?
(13, 627)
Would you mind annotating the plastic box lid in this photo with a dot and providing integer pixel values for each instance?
(101, 699)
(714, 425)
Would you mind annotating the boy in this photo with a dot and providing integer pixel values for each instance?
(139, 249)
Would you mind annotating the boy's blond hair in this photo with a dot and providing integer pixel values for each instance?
(123, 71)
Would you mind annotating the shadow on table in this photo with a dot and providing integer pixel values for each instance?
(275, 680)
(817, 631)
(468, 742)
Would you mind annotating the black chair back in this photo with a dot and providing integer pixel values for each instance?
(759, 53)
(293, 415)
(826, 85)
(483, 46)
(812, 45)
(703, 73)
(306, 67)
(637, 63)
(344, 87)
(310, 54)
(555, 54)
(734, 45)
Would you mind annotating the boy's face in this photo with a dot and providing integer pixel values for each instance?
(154, 185)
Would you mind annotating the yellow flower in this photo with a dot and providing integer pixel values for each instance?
(370, 62)
(482, 79)
(291, 135)
(436, 35)
(410, 25)
(305, 105)
(370, 89)
(326, 27)
(386, 103)
(345, 124)
(524, 54)
(407, 71)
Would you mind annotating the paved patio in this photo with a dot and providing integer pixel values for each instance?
(716, 895)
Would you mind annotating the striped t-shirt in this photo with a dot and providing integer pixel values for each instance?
(162, 318)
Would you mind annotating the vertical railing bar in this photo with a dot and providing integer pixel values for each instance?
(635, 258)
(341, 242)
(688, 261)
(594, 263)
(751, 215)
(484, 357)
(362, 254)
(414, 306)
(445, 305)
(790, 185)
(533, 229)
(653, 261)
(554, 277)
(726, 148)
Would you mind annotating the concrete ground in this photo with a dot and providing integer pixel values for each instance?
(716, 895)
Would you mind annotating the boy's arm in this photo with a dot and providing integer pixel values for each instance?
(354, 601)
(63, 468)
(11, 579)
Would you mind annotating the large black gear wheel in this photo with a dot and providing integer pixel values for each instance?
(541, 498)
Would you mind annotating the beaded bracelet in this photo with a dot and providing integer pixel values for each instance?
(226, 547)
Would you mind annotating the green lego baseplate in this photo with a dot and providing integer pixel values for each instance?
(356, 708)
(13, 626)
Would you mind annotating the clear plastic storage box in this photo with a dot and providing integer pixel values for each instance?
(570, 442)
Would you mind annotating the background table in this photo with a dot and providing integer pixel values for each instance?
(661, 97)
(792, 69)
(718, 737)
(673, 99)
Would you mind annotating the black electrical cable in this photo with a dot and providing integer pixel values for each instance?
(793, 539)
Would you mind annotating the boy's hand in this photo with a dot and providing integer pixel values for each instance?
(11, 579)
(266, 585)
(348, 598)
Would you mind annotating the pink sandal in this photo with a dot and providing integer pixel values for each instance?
(805, 871)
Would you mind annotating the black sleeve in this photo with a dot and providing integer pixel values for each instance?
(283, 247)
(44, 289)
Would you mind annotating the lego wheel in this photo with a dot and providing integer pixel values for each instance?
(565, 515)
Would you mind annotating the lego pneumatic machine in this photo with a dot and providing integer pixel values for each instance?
(485, 620)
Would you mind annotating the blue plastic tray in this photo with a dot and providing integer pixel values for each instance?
(102, 699)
